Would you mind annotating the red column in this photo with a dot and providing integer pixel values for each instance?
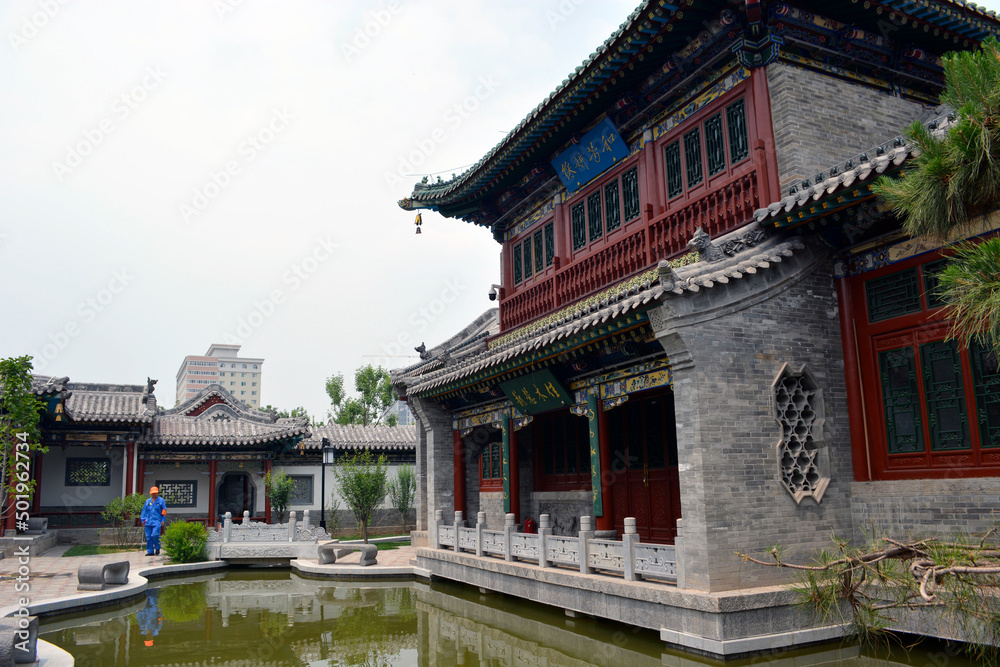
(607, 520)
(267, 501)
(36, 500)
(855, 390)
(762, 137)
(459, 455)
(212, 471)
(515, 475)
(141, 477)
(129, 465)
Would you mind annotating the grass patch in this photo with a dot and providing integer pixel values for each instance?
(96, 550)
(388, 546)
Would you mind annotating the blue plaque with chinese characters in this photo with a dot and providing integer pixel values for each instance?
(597, 152)
(536, 393)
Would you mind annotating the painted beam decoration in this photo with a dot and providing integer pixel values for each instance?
(597, 152)
(536, 393)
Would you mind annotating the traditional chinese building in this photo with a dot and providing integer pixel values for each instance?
(208, 455)
(705, 315)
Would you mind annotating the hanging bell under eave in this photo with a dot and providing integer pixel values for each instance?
(418, 222)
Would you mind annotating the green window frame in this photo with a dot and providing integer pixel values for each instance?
(715, 145)
(526, 250)
(630, 193)
(539, 257)
(736, 122)
(612, 205)
(88, 472)
(675, 178)
(893, 295)
(986, 385)
(550, 243)
(692, 158)
(901, 401)
(517, 264)
(595, 217)
(579, 220)
(944, 391)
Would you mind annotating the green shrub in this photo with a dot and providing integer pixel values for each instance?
(185, 542)
(123, 515)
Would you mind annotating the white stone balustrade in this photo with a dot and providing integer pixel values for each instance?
(628, 556)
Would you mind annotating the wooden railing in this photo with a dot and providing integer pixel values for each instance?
(717, 212)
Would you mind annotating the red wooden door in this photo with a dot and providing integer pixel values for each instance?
(644, 466)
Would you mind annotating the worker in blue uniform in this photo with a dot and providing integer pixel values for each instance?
(154, 513)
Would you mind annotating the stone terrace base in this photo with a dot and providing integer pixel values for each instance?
(721, 624)
(11, 547)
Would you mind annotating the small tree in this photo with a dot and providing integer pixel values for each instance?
(362, 480)
(402, 491)
(19, 413)
(122, 514)
(279, 488)
(186, 542)
(375, 396)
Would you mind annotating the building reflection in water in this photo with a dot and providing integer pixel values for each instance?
(278, 619)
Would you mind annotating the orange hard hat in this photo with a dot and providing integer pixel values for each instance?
(148, 642)
(154, 489)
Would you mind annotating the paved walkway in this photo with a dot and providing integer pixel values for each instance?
(53, 576)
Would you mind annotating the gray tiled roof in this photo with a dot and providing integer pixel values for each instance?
(343, 436)
(226, 423)
(98, 402)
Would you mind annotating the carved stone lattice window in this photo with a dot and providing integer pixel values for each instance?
(798, 406)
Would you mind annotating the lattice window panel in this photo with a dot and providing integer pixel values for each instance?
(901, 401)
(88, 472)
(579, 216)
(675, 177)
(612, 205)
(692, 157)
(550, 244)
(986, 380)
(715, 147)
(526, 247)
(302, 490)
(179, 493)
(947, 420)
(630, 193)
(595, 216)
(798, 406)
(736, 120)
(539, 257)
(517, 264)
(931, 272)
(893, 295)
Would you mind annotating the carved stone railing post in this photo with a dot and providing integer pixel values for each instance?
(544, 530)
(586, 534)
(435, 533)
(227, 527)
(459, 523)
(480, 527)
(679, 551)
(305, 520)
(629, 539)
(246, 518)
(508, 530)
(291, 526)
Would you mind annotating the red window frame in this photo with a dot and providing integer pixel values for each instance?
(490, 483)
(912, 330)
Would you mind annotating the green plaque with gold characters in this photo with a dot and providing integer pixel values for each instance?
(595, 455)
(536, 393)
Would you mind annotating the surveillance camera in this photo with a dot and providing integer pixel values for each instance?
(493, 294)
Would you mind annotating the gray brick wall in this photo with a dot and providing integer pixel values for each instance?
(820, 121)
(914, 509)
(435, 456)
(726, 357)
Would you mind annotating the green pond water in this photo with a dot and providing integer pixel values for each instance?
(277, 618)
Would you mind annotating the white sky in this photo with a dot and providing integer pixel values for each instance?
(125, 244)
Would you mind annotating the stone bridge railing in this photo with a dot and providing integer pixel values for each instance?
(628, 556)
(253, 531)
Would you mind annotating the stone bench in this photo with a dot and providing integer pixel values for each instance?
(22, 632)
(95, 576)
(37, 526)
(329, 553)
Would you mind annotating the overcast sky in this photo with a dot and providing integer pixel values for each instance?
(175, 174)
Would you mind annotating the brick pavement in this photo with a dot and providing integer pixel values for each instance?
(53, 576)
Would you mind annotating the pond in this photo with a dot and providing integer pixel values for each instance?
(278, 618)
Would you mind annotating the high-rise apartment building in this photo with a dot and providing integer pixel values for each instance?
(221, 365)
